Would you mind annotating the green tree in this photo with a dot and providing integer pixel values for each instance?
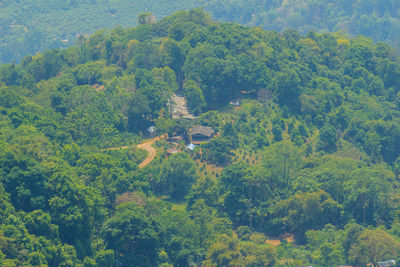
(139, 112)
(283, 160)
(328, 138)
(229, 251)
(146, 18)
(288, 88)
(105, 258)
(195, 97)
(363, 192)
(133, 236)
(302, 212)
(177, 174)
(234, 192)
(373, 246)
(218, 150)
(326, 246)
(166, 126)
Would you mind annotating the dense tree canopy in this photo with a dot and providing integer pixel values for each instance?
(377, 19)
(310, 156)
(30, 26)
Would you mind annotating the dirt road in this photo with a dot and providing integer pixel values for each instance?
(180, 108)
(148, 146)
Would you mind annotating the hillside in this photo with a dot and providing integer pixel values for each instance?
(28, 26)
(378, 19)
(302, 168)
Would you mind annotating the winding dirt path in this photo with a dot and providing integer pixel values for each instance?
(148, 146)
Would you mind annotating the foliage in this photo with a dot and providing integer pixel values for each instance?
(229, 251)
(31, 29)
(176, 176)
(195, 97)
(373, 246)
(376, 19)
(315, 158)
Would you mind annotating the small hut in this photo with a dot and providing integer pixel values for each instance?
(202, 133)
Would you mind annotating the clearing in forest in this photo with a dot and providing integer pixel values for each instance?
(180, 109)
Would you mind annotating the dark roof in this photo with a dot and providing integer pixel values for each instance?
(203, 130)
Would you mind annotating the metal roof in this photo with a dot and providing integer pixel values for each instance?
(191, 146)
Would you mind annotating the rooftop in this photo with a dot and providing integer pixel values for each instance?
(191, 146)
(203, 130)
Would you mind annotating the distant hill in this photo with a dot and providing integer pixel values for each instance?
(29, 26)
(378, 19)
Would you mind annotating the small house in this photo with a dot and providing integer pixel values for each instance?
(202, 133)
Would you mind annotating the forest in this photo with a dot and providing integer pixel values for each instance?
(305, 171)
(30, 26)
(377, 19)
